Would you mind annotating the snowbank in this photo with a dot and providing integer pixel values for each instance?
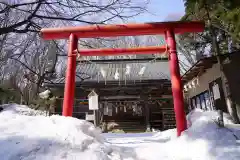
(204, 139)
(24, 136)
(200, 115)
(20, 110)
(38, 137)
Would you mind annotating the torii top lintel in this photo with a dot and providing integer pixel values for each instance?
(94, 31)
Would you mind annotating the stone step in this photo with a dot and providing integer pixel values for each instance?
(130, 127)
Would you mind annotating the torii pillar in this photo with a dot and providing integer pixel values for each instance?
(177, 89)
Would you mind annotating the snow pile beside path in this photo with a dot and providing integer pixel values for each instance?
(165, 135)
(50, 138)
(20, 110)
(211, 116)
(204, 139)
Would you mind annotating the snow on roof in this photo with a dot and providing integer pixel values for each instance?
(92, 72)
(56, 137)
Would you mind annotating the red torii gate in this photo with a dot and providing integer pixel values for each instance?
(169, 29)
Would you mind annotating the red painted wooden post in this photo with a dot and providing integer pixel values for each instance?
(69, 90)
(177, 91)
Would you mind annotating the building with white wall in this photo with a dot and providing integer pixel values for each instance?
(203, 85)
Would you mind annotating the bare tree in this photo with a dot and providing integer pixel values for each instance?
(29, 16)
(25, 59)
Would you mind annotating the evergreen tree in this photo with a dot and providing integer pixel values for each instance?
(222, 18)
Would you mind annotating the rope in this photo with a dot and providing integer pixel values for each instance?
(79, 57)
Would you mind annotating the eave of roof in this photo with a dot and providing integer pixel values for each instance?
(201, 66)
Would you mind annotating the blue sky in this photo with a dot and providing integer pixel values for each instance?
(161, 10)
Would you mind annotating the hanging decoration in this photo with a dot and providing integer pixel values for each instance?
(103, 72)
(191, 84)
(125, 109)
(116, 76)
(134, 107)
(127, 72)
(142, 70)
(128, 69)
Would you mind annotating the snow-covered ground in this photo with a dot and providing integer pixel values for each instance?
(27, 134)
(204, 140)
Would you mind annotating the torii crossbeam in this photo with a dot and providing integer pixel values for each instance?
(169, 29)
(122, 51)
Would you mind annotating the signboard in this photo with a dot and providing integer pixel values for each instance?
(216, 92)
(93, 101)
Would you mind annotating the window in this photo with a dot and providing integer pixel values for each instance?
(208, 101)
(198, 102)
(189, 104)
(201, 101)
(193, 103)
